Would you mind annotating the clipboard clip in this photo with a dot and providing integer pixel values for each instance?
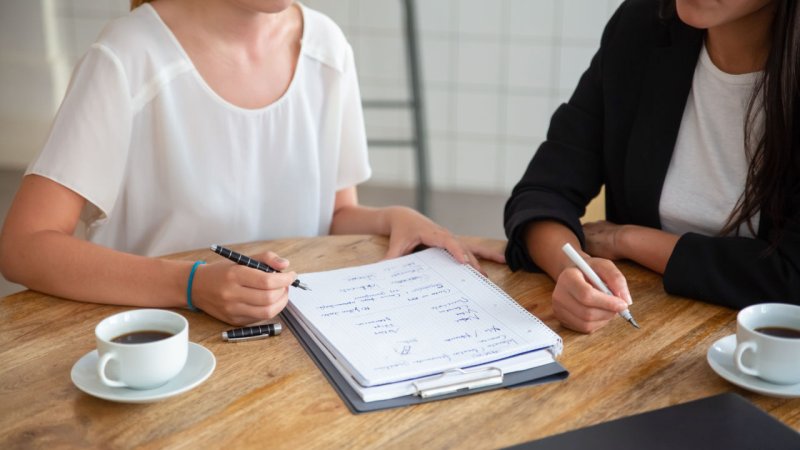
(455, 380)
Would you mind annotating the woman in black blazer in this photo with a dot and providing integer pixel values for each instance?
(620, 129)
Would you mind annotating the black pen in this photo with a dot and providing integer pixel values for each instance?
(250, 262)
(252, 333)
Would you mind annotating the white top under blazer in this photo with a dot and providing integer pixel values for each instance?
(166, 164)
(708, 170)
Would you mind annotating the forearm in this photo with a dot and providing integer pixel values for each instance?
(357, 219)
(649, 247)
(544, 240)
(61, 265)
(735, 271)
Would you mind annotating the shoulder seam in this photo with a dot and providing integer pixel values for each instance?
(322, 56)
(151, 88)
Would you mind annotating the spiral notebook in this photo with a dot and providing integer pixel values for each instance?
(399, 326)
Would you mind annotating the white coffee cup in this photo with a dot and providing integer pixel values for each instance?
(143, 365)
(771, 358)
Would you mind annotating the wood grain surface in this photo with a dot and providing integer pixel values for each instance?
(269, 394)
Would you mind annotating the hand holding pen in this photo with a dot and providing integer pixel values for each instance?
(243, 260)
(594, 279)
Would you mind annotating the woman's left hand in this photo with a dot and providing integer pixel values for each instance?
(409, 229)
(649, 247)
(602, 239)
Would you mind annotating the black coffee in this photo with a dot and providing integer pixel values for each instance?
(783, 332)
(140, 337)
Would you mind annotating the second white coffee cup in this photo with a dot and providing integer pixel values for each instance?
(142, 348)
(765, 346)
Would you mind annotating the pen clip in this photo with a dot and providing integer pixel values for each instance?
(455, 380)
(245, 338)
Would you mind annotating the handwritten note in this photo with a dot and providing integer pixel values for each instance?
(415, 316)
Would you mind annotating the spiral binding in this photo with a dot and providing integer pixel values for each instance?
(559, 347)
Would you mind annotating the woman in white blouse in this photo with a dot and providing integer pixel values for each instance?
(196, 122)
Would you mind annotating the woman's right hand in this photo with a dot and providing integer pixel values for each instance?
(580, 306)
(241, 295)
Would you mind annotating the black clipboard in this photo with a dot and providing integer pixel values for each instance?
(537, 375)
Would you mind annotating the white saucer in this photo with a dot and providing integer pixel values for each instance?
(720, 358)
(200, 363)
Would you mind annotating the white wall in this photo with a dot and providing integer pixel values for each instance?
(40, 41)
(493, 73)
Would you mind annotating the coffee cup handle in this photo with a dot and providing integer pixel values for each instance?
(101, 371)
(737, 357)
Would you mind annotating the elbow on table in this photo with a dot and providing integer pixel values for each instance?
(9, 266)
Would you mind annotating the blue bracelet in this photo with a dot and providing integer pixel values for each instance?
(189, 286)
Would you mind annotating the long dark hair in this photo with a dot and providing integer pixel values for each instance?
(774, 152)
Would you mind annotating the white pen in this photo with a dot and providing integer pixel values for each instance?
(592, 276)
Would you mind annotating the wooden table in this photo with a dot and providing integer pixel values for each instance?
(269, 393)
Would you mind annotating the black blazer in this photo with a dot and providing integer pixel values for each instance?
(619, 129)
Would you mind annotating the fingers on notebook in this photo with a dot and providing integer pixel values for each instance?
(400, 245)
(472, 260)
(489, 249)
(444, 239)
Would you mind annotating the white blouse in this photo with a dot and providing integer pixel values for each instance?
(166, 164)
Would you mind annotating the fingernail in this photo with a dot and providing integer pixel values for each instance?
(627, 296)
(281, 260)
